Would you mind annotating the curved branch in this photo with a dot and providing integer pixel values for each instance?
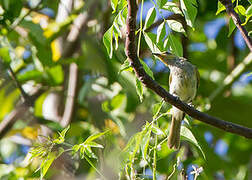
(150, 83)
(235, 74)
(237, 21)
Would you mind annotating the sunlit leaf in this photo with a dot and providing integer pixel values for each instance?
(150, 17)
(56, 75)
(94, 136)
(147, 69)
(220, 8)
(108, 41)
(125, 66)
(114, 5)
(240, 9)
(187, 135)
(161, 32)
(150, 39)
(176, 26)
(156, 130)
(94, 144)
(146, 133)
(5, 55)
(189, 9)
(173, 7)
(156, 109)
(116, 101)
(231, 27)
(174, 45)
(46, 163)
(139, 89)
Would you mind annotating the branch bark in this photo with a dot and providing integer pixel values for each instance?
(237, 21)
(131, 53)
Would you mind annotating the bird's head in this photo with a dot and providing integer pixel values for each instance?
(165, 57)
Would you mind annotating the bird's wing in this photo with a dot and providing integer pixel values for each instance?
(170, 79)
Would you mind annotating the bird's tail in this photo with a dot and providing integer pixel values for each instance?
(174, 134)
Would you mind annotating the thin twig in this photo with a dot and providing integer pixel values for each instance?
(158, 22)
(24, 95)
(237, 21)
(235, 74)
(131, 52)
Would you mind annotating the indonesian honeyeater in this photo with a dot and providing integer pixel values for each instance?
(183, 83)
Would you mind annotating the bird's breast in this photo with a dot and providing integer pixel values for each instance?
(183, 84)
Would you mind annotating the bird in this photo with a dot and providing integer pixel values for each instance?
(183, 83)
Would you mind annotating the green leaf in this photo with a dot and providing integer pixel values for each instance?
(247, 19)
(150, 39)
(116, 101)
(157, 130)
(46, 163)
(240, 9)
(94, 136)
(39, 105)
(88, 151)
(139, 89)
(189, 8)
(117, 28)
(132, 147)
(188, 135)
(161, 32)
(122, 4)
(231, 27)
(12, 8)
(145, 139)
(94, 144)
(114, 5)
(62, 135)
(125, 66)
(161, 3)
(220, 8)
(5, 55)
(147, 69)
(108, 41)
(249, 11)
(176, 26)
(174, 45)
(150, 17)
(170, 6)
(34, 75)
(56, 75)
(76, 148)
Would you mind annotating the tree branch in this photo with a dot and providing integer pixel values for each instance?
(150, 83)
(237, 21)
(158, 22)
(7, 123)
(24, 95)
(235, 74)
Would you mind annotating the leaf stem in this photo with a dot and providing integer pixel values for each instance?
(93, 166)
(155, 160)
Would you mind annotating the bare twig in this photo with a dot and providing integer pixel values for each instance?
(235, 74)
(131, 52)
(17, 113)
(158, 22)
(237, 21)
(72, 46)
(24, 95)
(72, 85)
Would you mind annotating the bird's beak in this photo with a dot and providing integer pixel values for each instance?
(159, 55)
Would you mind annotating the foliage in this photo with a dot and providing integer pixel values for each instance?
(118, 127)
